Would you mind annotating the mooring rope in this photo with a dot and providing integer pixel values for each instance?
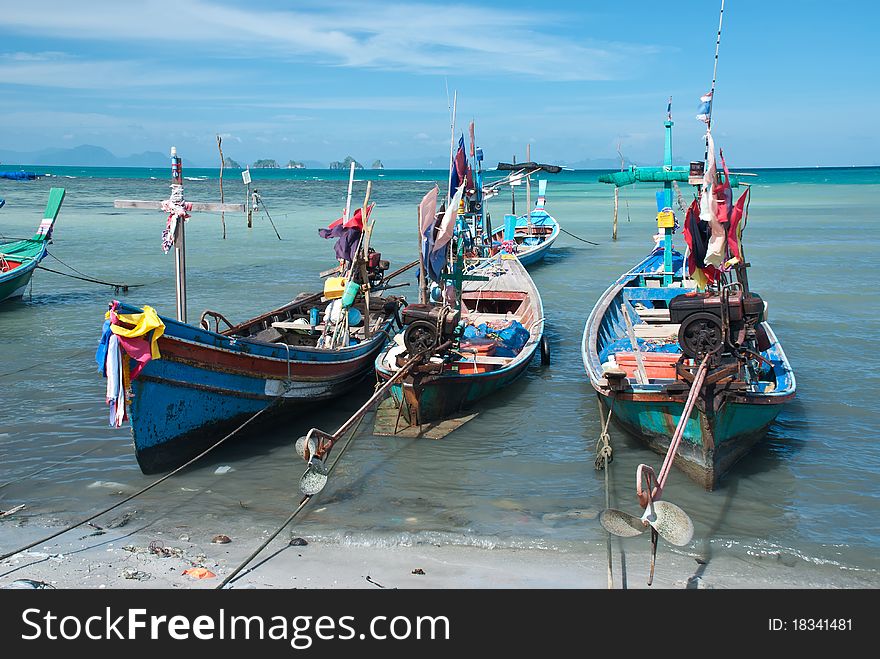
(577, 237)
(117, 287)
(603, 459)
(145, 489)
(302, 504)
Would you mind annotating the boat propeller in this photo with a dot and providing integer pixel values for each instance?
(302, 443)
(314, 478)
(671, 522)
(666, 520)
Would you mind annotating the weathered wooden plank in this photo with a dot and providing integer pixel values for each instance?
(196, 206)
(386, 417)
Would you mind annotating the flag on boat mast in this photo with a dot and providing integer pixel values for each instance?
(705, 110)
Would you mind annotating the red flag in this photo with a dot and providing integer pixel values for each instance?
(734, 228)
(473, 141)
(356, 221)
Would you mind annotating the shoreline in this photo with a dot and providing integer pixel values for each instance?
(145, 556)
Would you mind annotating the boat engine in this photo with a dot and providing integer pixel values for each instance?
(427, 326)
(376, 267)
(713, 323)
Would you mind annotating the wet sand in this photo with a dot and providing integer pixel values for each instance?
(136, 556)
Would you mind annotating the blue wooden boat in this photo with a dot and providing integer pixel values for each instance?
(674, 326)
(459, 369)
(533, 234)
(207, 382)
(19, 259)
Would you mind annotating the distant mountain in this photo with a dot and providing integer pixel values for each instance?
(266, 163)
(86, 155)
(346, 164)
(231, 164)
(377, 164)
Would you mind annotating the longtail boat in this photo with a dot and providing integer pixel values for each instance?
(19, 259)
(655, 331)
(529, 235)
(208, 382)
(471, 350)
(185, 386)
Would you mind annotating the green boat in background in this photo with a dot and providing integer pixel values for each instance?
(19, 259)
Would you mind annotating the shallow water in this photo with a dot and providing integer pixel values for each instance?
(519, 475)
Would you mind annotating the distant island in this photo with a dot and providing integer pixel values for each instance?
(346, 164)
(265, 164)
(229, 163)
(377, 164)
(293, 164)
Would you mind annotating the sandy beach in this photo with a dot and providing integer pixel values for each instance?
(135, 555)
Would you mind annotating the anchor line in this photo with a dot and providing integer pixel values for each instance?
(145, 489)
(603, 459)
(578, 237)
(118, 287)
(302, 504)
(323, 449)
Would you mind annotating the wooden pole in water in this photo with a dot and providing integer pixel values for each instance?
(248, 204)
(179, 241)
(614, 224)
(222, 214)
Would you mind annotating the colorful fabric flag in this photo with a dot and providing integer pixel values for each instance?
(356, 221)
(716, 251)
(461, 171)
(736, 224)
(704, 112)
(447, 225)
(348, 233)
(473, 141)
(428, 210)
(435, 255)
(696, 235)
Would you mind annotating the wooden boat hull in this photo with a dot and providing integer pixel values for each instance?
(19, 259)
(13, 283)
(531, 254)
(712, 442)
(206, 384)
(717, 433)
(430, 397)
(438, 397)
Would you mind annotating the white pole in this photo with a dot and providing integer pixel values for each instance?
(529, 187)
(451, 149)
(348, 198)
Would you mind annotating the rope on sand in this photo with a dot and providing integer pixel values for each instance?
(141, 491)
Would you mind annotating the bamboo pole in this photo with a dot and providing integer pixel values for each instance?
(614, 225)
(222, 214)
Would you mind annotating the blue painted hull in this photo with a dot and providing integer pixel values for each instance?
(206, 384)
(531, 254)
(722, 428)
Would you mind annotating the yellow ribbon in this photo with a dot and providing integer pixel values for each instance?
(143, 323)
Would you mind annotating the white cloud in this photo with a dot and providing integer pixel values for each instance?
(418, 38)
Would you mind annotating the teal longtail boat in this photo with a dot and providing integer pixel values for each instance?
(19, 259)
(656, 332)
(673, 327)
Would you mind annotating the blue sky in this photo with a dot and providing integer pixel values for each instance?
(797, 81)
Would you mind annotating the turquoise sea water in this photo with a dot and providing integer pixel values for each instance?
(806, 496)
